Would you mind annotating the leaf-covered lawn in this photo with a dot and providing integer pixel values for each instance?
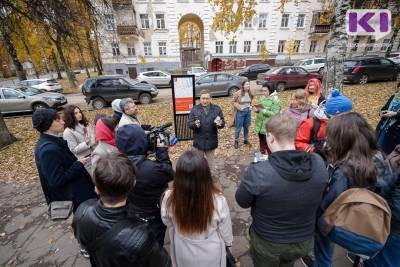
(17, 163)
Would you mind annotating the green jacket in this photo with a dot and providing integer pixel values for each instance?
(272, 106)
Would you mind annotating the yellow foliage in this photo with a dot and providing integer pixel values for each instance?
(290, 47)
(264, 54)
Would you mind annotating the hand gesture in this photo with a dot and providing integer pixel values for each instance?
(388, 113)
(84, 160)
(160, 141)
(197, 122)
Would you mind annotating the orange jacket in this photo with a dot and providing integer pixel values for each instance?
(303, 137)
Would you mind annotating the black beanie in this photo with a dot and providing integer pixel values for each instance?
(42, 119)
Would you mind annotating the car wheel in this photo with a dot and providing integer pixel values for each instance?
(363, 79)
(98, 103)
(145, 98)
(321, 71)
(232, 91)
(39, 105)
(280, 87)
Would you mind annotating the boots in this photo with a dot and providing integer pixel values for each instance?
(236, 145)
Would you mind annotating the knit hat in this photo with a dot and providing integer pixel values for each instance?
(124, 102)
(131, 140)
(42, 119)
(116, 105)
(338, 103)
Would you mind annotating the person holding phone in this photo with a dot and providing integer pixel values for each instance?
(388, 129)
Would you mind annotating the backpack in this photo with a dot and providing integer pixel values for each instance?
(358, 220)
(314, 141)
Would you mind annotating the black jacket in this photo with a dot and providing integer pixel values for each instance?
(62, 176)
(205, 137)
(284, 193)
(134, 245)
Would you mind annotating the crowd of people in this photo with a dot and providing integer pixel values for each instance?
(327, 177)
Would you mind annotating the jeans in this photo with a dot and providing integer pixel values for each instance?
(243, 119)
(323, 250)
(389, 255)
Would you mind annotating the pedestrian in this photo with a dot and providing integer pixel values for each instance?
(79, 134)
(242, 112)
(205, 119)
(63, 177)
(197, 215)
(269, 105)
(311, 133)
(283, 193)
(388, 129)
(105, 136)
(129, 112)
(103, 226)
(314, 94)
(152, 178)
(117, 112)
(300, 108)
(354, 162)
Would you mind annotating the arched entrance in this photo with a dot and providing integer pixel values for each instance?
(191, 41)
(216, 64)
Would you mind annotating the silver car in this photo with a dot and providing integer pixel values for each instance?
(50, 85)
(23, 99)
(155, 77)
(219, 83)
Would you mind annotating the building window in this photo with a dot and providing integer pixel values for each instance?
(119, 71)
(281, 46)
(110, 22)
(115, 49)
(262, 21)
(285, 21)
(313, 45)
(144, 21)
(147, 48)
(260, 44)
(131, 50)
(232, 47)
(160, 21)
(219, 47)
(162, 48)
(385, 44)
(247, 47)
(297, 44)
(370, 44)
(249, 24)
(300, 20)
(354, 46)
(326, 46)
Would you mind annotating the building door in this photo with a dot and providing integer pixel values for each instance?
(132, 72)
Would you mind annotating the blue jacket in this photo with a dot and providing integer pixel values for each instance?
(61, 175)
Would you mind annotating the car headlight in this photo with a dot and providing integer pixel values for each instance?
(153, 89)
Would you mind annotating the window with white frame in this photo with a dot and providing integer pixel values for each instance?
(385, 44)
(297, 44)
(262, 21)
(147, 48)
(115, 49)
(260, 44)
(162, 48)
(131, 50)
(144, 21)
(313, 46)
(370, 44)
(285, 21)
(232, 47)
(160, 21)
(246, 46)
(219, 47)
(354, 45)
(281, 46)
(110, 25)
(300, 20)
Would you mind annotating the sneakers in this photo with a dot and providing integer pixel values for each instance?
(236, 145)
(84, 253)
(307, 261)
(246, 142)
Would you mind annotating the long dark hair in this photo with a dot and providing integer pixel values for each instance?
(69, 117)
(242, 92)
(351, 145)
(192, 198)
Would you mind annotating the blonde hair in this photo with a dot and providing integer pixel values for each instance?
(300, 99)
(282, 127)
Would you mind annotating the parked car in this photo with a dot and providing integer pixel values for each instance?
(219, 83)
(103, 90)
(197, 71)
(313, 64)
(251, 71)
(395, 57)
(23, 99)
(364, 69)
(50, 85)
(285, 77)
(157, 77)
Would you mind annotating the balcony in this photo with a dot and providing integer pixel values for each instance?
(120, 4)
(320, 29)
(128, 30)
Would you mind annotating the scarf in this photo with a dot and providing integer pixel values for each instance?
(103, 133)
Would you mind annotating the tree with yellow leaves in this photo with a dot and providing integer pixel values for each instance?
(142, 61)
(290, 48)
(264, 54)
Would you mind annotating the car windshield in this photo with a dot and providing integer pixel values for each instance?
(197, 70)
(131, 81)
(274, 71)
(350, 63)
(51, 81)
(302, 63)
(30, 91)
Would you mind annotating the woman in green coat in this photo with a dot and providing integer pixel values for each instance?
(268, 106)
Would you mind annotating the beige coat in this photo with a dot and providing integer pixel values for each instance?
(102, 149)
(200, 250)
(126, 119)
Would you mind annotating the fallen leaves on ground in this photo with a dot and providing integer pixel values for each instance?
(18, 164)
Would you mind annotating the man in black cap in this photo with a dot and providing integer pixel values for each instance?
(62, 175)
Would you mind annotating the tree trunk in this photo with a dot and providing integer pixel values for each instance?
(55, 62)
(13, 54)
(6, 137)
(337, 47)
(29, 55)
(92, 53)
(98, 51)
(71, 79)
(82, 58)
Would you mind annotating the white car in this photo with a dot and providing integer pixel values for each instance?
(197, 71)
(50, 85)
(395, 57)
(313, 64)
(155, 77)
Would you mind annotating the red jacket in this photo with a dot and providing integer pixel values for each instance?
(303, 137)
